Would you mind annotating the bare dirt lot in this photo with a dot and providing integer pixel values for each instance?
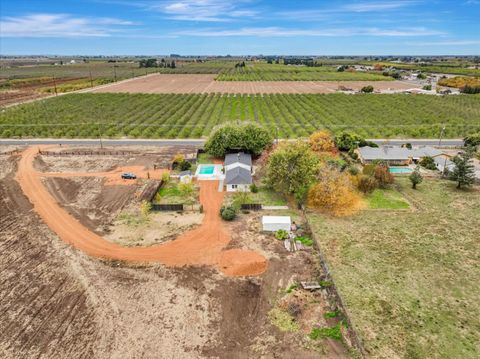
(206, 84)
(58, 302)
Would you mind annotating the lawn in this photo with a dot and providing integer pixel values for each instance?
(410, 278)
(172, 193)
(386, 199)
(267, 197)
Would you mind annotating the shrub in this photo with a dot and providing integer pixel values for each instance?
(322, 141)
(367, 184)
(228, 213)
(334, 194)
(329, 332)
(472, 140)
(185, 166)
(367, 89)
(165, 177)
(427, 87)
(428, 163)
(346, 141)
(247, 137)
(253, 188)
(383, 176)
(281, 234)
(415, 178)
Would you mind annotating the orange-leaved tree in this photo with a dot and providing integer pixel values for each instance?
(322, 141)
(334, 194)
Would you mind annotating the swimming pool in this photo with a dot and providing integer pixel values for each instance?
(206, 170)
(400, 170)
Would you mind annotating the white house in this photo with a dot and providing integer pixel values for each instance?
(238, 179)
(238, 172)
(274, 223)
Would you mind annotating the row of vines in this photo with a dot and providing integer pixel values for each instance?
(274, 72)
(287, 116)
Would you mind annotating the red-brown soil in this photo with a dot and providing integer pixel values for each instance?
(163, 83)
(201, 246)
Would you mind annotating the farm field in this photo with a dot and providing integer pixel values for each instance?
(181, 84)
(280, 72)
(409, 277)
(287, 116)
(58, 301)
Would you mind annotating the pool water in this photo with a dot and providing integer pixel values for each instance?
(400, 170)
(206, 170)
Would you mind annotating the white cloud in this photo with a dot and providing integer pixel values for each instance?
(287, 32)
(202, 10)
(377, 6)
(445, 43)
(59, 25)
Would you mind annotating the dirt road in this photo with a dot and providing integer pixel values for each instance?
(201, 246)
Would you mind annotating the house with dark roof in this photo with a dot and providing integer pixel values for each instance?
(239, 159)
(392, 154)
(395, 155)
(238, 172)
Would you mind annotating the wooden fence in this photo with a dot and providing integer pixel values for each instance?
(251, 207)
(150, 190)
(86, 153)
(167, 207)
(335, 293)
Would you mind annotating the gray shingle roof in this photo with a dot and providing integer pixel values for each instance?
(240, 157)
(442, 163)
(384, 153)
(238, 175)
(426, 151)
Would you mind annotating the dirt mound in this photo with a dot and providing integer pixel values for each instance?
(238, 262)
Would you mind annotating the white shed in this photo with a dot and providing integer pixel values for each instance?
(274, 223)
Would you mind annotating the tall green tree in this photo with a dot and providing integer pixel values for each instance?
(464, 171)
(246, 137)
(292, 168)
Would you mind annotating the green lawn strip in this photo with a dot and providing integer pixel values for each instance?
(409, 280)
(170, 194)
(204, 158)
(267, 197)
(386, 199)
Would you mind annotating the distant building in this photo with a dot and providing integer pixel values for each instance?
(395, 155)
(392, 154)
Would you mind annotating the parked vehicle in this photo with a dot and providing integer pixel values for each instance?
(128, 175)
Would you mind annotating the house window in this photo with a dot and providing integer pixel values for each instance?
(234, 186)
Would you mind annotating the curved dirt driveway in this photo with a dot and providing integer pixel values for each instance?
(201, 246)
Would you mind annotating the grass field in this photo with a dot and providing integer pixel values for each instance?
(386, 199)
(410, 278)
(288, 116)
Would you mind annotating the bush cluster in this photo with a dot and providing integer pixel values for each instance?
(246, 137)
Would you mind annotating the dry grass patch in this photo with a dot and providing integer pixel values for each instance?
(410, 279)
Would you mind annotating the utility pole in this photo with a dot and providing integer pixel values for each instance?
(55, 85)
(114, 73)
(100, 135)
(91, 80)
(441, 135)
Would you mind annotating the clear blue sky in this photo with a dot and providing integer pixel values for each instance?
(220, 27)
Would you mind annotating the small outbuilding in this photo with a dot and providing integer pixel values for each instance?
(186, 177)
(274, 223)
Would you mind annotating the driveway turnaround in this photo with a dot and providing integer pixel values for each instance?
(201, 246)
